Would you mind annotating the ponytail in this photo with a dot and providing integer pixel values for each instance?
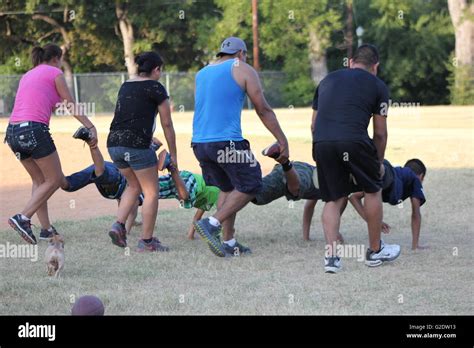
(37, 55)
(45, 54)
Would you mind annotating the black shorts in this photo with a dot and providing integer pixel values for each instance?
(341, 164)
(30, 139)
(387, 180)
(229, 165)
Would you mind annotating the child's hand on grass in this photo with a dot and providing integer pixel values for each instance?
(420, 247)
(191, 233)
(386, 227)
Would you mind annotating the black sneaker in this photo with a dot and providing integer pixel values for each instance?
(210, 234)
(23, 227)
(47, 235)
(82, 133)
(272, 151)
(237, 250)
(332, 264)
(155, 146)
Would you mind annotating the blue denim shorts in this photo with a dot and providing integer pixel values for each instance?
(129, 157)
(30, 139)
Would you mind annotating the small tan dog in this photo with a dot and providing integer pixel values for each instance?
(54, 256)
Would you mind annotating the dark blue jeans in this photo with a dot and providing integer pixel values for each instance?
(110, 184)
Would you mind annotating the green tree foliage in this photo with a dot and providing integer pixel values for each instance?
(284, 29)
(461, 84)
(415, 39)
(178, 30)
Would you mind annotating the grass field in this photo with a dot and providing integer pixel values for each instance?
(285, 274)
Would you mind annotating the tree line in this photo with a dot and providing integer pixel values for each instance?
(426, 45)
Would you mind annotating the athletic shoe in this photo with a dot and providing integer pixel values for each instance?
(154, 245)
(82, 133)
(118, 234)
(220, 234)
(23, 227)
(387, 252)
(209, 234)
(237, 250)
(272, 151)
(47, 235)
(332, 264)
(155, 146)
(164, 160)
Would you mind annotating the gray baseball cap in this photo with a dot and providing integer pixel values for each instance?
(232, 45)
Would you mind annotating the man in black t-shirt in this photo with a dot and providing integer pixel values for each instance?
(344, 102)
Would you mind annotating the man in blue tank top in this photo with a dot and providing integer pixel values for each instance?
(223, 154)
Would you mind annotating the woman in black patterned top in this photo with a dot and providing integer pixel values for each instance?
(129, 140)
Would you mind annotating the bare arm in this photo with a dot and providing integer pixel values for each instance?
(380, 138)
(197, 216)
(167, 125)
(415, 222)
(66, 96)
(264, 111)
(293, 181)
(183, 193)
(308, 217)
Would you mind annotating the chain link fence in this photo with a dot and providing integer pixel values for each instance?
(100, 90)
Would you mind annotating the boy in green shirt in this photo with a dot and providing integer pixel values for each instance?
(191, 190)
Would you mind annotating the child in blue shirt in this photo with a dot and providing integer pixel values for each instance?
(399, 184)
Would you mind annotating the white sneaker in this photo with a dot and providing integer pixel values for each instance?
(387, 252)
(332, 264)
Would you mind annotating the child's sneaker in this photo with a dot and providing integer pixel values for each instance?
(387, 252)
(82, 133)
(272, 151)
(155, 146)
(154, 245)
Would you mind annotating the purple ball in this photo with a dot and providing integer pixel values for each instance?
(88, 305)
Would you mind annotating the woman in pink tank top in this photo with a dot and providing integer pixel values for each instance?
(41, 90)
